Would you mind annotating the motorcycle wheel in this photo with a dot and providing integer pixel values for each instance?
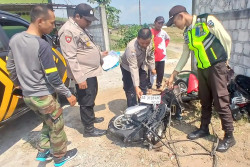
(183, 90)
(120, 128)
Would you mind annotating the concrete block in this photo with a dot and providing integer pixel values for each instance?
(225, 24)
(246, 49)
(217, 9)
(235, 35)
(242, 4)
(246, 61)
(239, 70)
(197, 12)
(243, 35)
(232, 24)
(244, 23)
(249, 20)
(229, 5)
(202, 10)
(238, 48)
(221, 4)
(208, 10)
(238, 22)
(247, 73)
(234, 58)
(236, 4)
(214, 3)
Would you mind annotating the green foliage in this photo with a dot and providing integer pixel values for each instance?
(112, 16)
(112, 12)
(130, 33)
(100, 2)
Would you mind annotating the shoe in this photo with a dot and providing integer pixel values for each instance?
(226, 143)
(160, 89)
(94, 132)
(201, 132)
(67, 157)
(44, 156)
(98, 119)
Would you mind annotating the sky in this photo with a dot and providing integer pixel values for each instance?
(150, 9)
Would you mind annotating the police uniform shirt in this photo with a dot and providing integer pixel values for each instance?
(80, 52)
(136, 57)
(216, 28)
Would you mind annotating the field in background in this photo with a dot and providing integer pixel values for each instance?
(175, 34)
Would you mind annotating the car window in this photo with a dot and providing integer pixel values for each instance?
(3, 44)
(12, 30)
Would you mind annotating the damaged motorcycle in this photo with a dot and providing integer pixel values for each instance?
(146, 122)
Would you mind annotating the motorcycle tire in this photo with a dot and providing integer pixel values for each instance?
(121, 134)
(183, 85)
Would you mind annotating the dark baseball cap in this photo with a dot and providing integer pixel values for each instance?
(159, 19)
(173, 12)
(85, 11)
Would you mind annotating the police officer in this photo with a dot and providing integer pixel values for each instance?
(32, 68)
(211, 44)
(136, 60)
(84, 62)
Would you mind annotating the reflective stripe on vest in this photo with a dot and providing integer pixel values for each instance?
(207, 48)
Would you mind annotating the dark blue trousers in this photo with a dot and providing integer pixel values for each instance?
(129, 88)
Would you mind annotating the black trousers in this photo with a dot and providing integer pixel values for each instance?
(86, 99)
(129, 88)
(213, 89)
(159, 67)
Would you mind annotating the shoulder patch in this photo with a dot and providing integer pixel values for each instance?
(68, 39)
(210, 24)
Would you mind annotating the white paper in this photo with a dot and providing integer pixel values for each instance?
(111, 60)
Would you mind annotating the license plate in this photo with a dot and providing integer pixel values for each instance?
(151, 99)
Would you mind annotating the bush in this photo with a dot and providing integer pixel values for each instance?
(128, 33)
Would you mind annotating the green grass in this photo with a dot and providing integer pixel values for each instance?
(176, 35)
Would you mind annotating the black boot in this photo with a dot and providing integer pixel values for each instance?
(202, 132)
(226, 143)
(98, 119)
(91, 131)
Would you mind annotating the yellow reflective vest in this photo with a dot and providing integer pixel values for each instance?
(207, 48)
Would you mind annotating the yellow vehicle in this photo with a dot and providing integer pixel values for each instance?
(12, 106)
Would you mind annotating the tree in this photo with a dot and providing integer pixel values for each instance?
(112, 12)
(100, 2)
(112, 16)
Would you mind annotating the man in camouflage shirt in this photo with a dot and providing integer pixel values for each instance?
(32, 68)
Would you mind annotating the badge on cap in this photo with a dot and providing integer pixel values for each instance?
(210, 24)
(68, 39)
(91, 12)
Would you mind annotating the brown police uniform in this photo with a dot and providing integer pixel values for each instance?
(83, 64)
(134, 63)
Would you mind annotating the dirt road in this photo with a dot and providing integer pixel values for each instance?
(18, 139)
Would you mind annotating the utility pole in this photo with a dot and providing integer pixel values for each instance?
(140, 12)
